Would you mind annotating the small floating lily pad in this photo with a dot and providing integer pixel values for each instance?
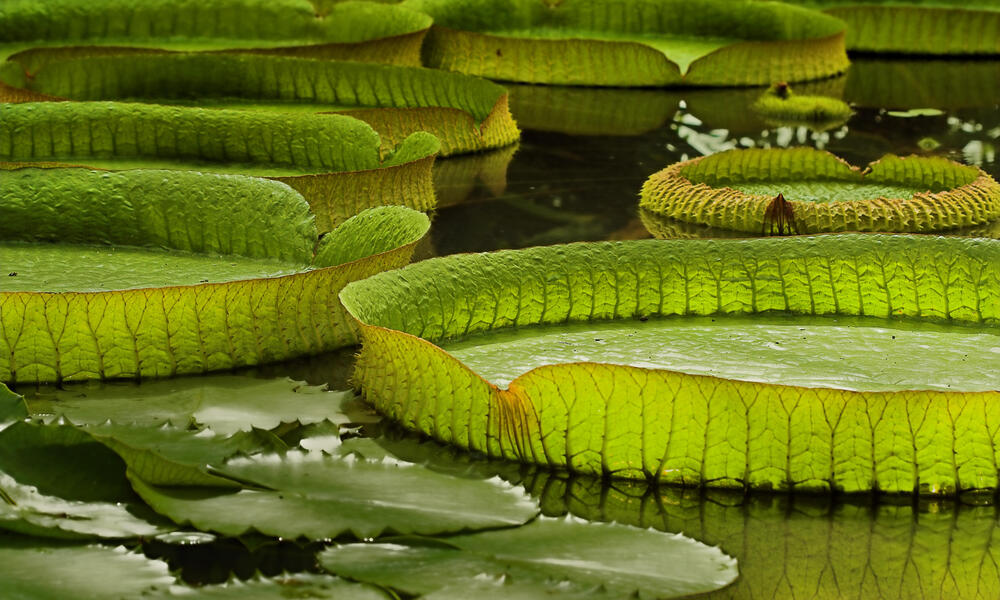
(466, 113)
(334, 161)
(664, 414)
(92, 294)
(780, 106)
(631, 43)
(802, 190)
(347, 30)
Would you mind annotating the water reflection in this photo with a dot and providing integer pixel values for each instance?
(807, 547)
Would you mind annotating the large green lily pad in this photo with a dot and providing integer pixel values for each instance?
(334, 161)
(185, 310)
(950, 27)
(348, 30)
(640, 420)
(466, 113)
(631, 43)
(802, 190)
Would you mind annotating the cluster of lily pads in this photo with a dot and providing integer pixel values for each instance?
(188, 187)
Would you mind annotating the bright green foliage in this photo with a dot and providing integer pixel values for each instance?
(546, 553)
(738, 190)
(355, 30)
(175, 329)
(780, 105)
(806, 548)
(631, 43)
(466, 113)
(951, 27)
(317, 496)
(59, 571)
(679, 428)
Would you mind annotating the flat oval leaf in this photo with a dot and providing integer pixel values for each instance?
(546, 553)
(317, 496)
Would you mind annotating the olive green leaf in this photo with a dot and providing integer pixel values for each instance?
(466, 113)
(640, 420)
(631, 43)
(349, 30)
(549, 554)
(334, 161)
(780, 106)
(802, 190)
(12, 406)
(56, 571)
(942, 83)
(293, 585)
(848, 548)
(223, 403)
(69, 307)
(916, 27)
(56, 481)
(317, 496)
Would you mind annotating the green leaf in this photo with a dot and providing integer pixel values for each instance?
(12, 406)
(334, 161)
(803, 190)
(546, 553)
(317, 497)
(943, 83)
(631, 43)
(296, 585)
(167, 455)
(467, 113)
(224, 403)
(29, 569)
(351, 30)
(779, 106)
(175, 329)
(640, 421)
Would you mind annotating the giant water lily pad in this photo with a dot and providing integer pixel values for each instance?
(951, 27)
(332, 160)
(149, 273)
(646, 418)
(630, 43)
(318, 496)
(553, 556)
(348, 30)
(802, 190)
(466, 113)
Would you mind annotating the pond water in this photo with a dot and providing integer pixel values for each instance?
(575, 177)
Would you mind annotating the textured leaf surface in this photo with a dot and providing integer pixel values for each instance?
(224, 403)
(735, 190)
(298, 585)
(634, 422)
(465, 113)
(334, 161)
(627, 43)
(44, 572)
(180, 329)
(351, 30)
(799, 547)
(319, 496)
(623, 560)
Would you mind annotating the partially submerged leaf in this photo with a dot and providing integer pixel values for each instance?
(734, 190)
(780, 106)
(631, 43)
(12, 407)
(296, 585)
(317, 496)
(547, 553)
(466, 113)
(639, 422)
(349, 30)
(29, 569)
